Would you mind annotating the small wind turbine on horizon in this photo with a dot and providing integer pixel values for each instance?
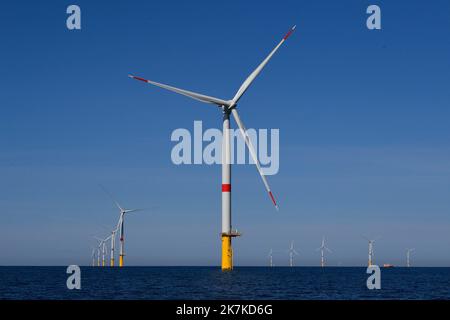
(292, 252)
(408, 252)
(229, 107)
(270, 256)
(93, 257)
(371, 255)
(322, 248)
(98, 250)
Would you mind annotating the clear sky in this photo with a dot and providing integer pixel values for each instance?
(363, 118)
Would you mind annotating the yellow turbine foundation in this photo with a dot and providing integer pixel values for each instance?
(121, 260)
(112, 262)
(227, 253)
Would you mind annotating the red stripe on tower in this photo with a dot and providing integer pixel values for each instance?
(226, 187)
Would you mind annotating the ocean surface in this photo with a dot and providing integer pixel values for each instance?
(211, 283)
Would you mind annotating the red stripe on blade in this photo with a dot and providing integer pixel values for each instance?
(289, 33)
(273, 199)
(139, 78)
(226, 187)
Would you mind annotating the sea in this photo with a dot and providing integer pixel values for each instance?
(210, 283)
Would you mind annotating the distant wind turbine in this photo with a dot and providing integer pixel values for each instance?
(103, 245)
(98, 251)
(292, 252)
(120, 225)
(408, 252)
(270, 258)
(93, 257)
(113, 245)
(322, 248)
(371, 255)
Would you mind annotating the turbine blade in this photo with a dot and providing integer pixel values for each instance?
(246, 84)
(253, 154)
(190, 94)
(112, 198)
(133, 210)
(118, 224)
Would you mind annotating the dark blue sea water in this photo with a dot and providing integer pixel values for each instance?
(211, 283)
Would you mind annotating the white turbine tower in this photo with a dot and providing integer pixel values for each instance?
(229, 107)
(292, 252)
(408, 253)
(322, 248)
(371, 255)
(270, 256)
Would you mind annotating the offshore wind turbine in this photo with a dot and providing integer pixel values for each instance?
(103, 253)
(408, 252)
(122, 231)
(120, 226)
(229, 107)
(322, 248)
(270, 258)
(98, 252)
(93, 257)
(103, 245)
(113, 245)
(292, 252)
(371, 242)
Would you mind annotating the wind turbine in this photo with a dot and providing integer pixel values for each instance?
(122, 232)
(93, 257)
(270, 258)
(113, 245)
(103, 245)
(408, 252)
(98, 251)
(371, 242)
(322, 248)
(120, 225)
(229, 107)
(292, 252)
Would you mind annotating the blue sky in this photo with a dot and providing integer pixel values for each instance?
(363, 118)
